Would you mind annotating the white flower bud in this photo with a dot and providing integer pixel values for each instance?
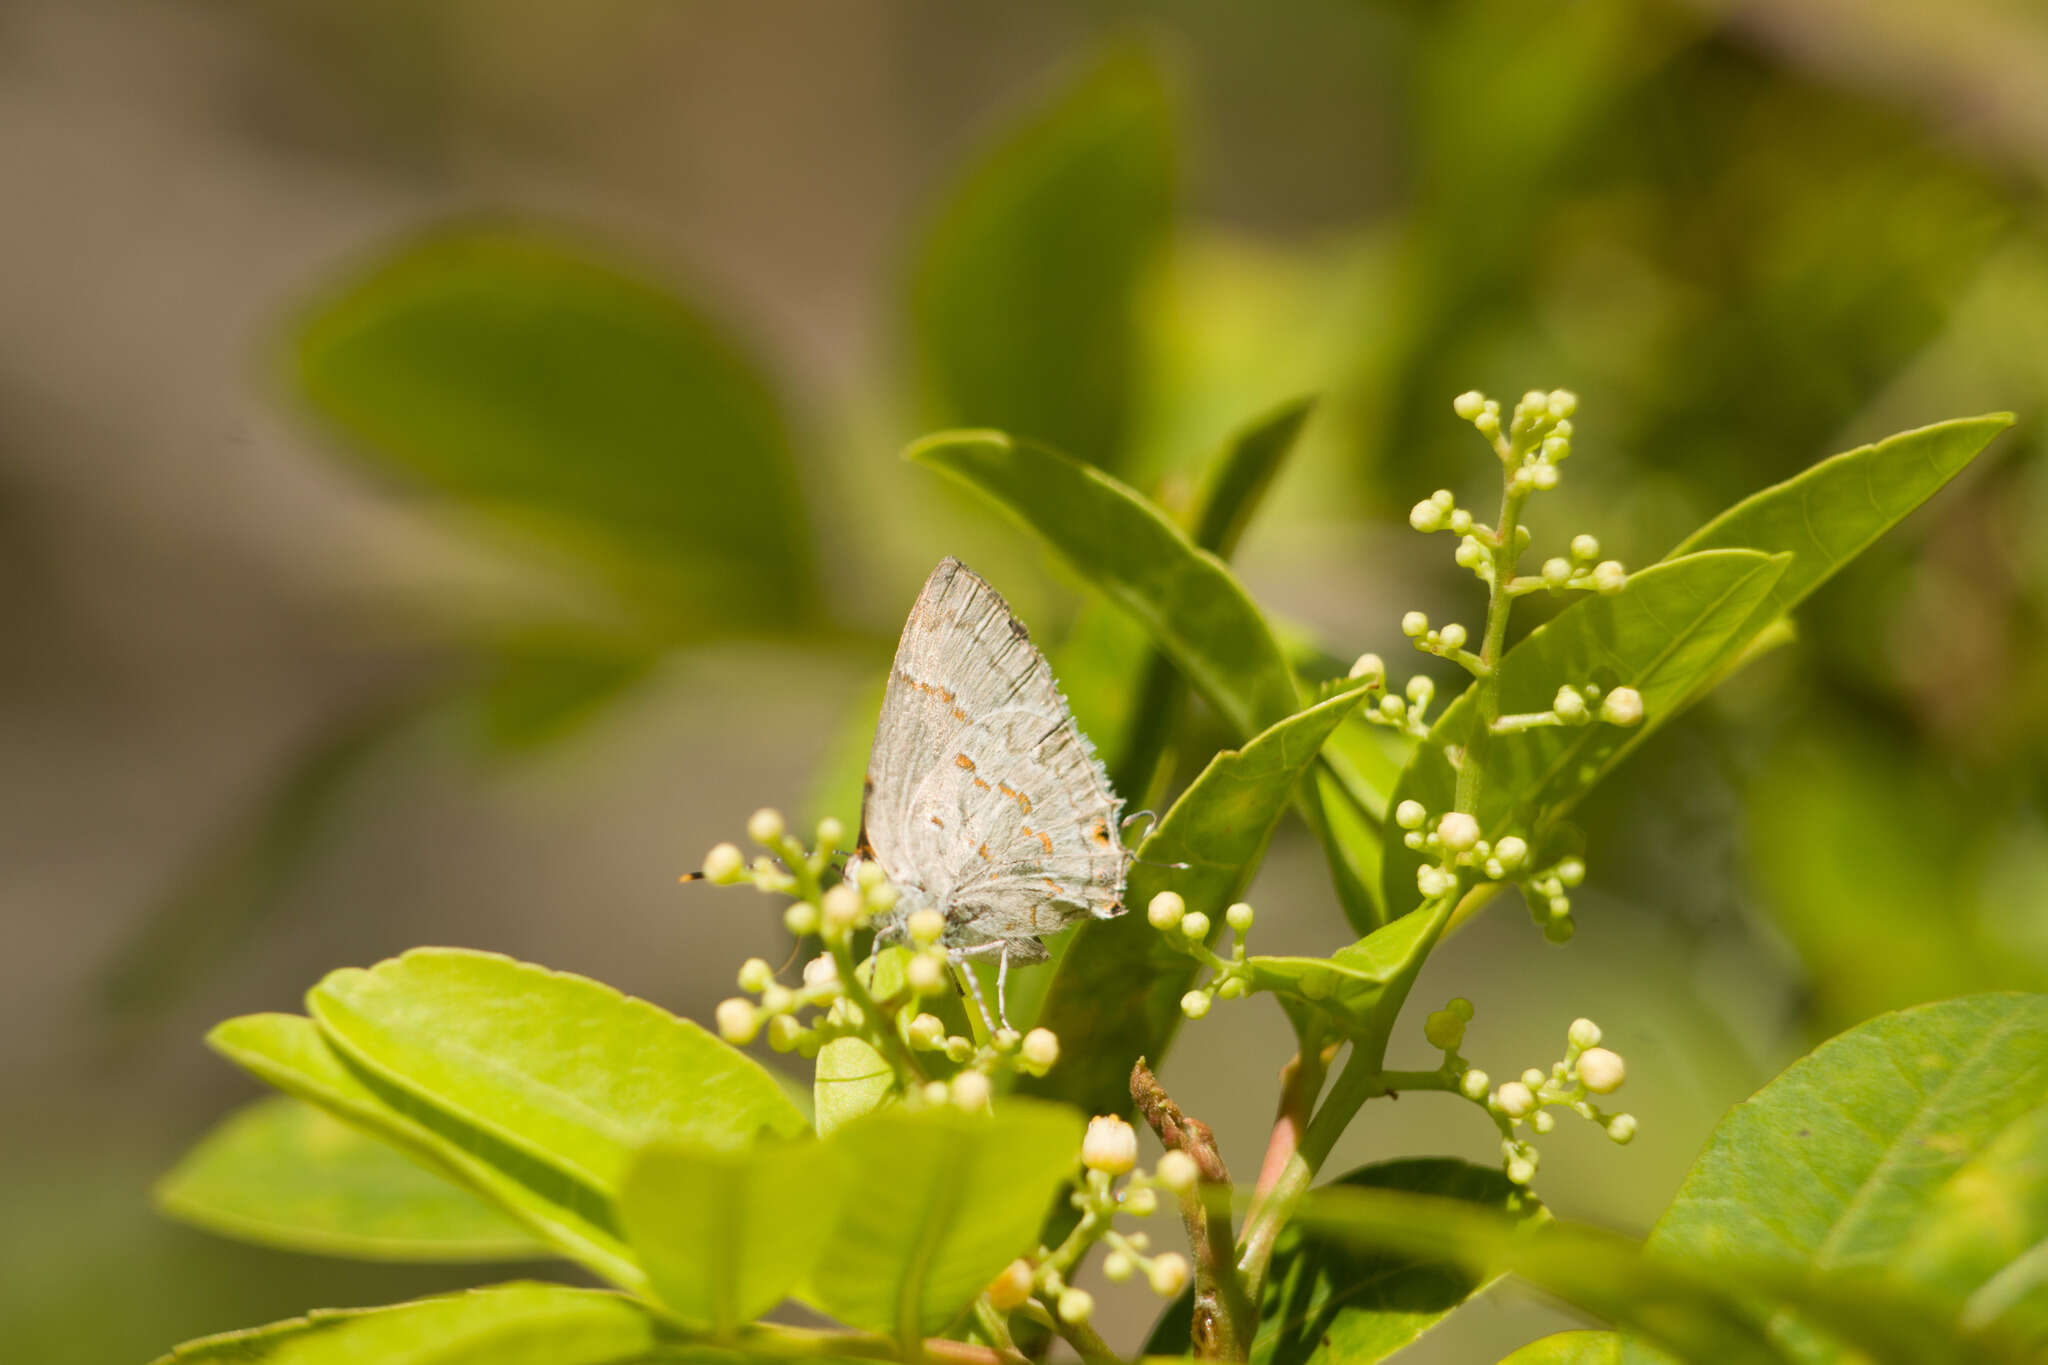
(959, 1051)
(1556, 572)
(765, 825)
(926, 927)
(1433, 881)
(1410, 815)
(1585, 549)
(1543, 477)
(1452, 636)
(756, 975)
(1196, 926)
(1515, 1100)
(1521, 1169)
(1623, 706)
(777, 999)
(971, 1090)
(1533, 1077)
(1009, 1289)
(1421, 688)
(870, 875)
(1392, 707)
(1536, 403)
(1118, 1267)
(1426, 516)
(1473, 1086)
(1041, 1049)
(1457, 831)
(1166, 910)
(934, 1092)
(1369, 666)
(831, 834)
(801, 919)
(1584, 1033)
(1169, 1274)
(1444, 498)
(1569, 705)
(737, 1020)
(1542, 1120)
(723, 863)
(1621, 1128)
(821, 971)
(1609, 577)
(1601, 1071)
(842, 908)
(927, 1033)
(1194, 1004)
(1469, 405)
(1414, 625)
(1177, 1172)
(1511, 852)
(1076, 1305)
(1141, 1202)
(1111, 1145)
(926, 972)
(1239, 917)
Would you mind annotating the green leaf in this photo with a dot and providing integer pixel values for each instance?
(726, 1235)
(1024, 305)
(510, 1324)
(852, 1079)
(1830, 513)
(289, 1052)
(564, 1068)
(1116, 993)
(1901, 1151)
(1349, 984)
(1134, 554)
(942, 1200)
(1570, 1348)
(1672, 626)
(287, 1174)
(532, 381)
(1335, 1304)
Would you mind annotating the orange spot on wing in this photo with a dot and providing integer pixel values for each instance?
(937, 821)
(981, 784)
(963, 761)
(983, 852)
(1101, 833)
(958, 714)
(1023, 801)
(1044, 839)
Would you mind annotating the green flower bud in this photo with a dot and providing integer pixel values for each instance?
(1621, 1128)
(784, 1032)
(926, 927)
(1571, 871)
(1414, 625)
(777, 999)
(1233, 988)
(1585, 549)
(927, 1033)
(1422, 688)
(1141, 1202)
(1556, 448)
(1461, 1007)
(1195, 926)
(1392, 707)
(1543, 477)
(1584, 1033)
(1426, 516)
(1569, 705)
(1533, 1077)
(1563, 403)
(1559, 928)
(1460, 521)
(870, 875)
(1556, 572)
(1543, 1120)
(756, 975)
(1076, 1305)
(1488, 422)
(1239, 918)
(1609, 577)
(1521, 1169)
(959, 1051)
(926, 973)
(821, 971)
(1369, 666)
(842, 908)
(1469, 404)
(1433, 882)
(1194, 1004)
(765, 825)
(1452, 636)
(1473, 1086)
(1117, 1267)
(1444, 1030)
(1469, 554)
(1410, 815)
(1166, 910)
(723, 863)
(1511, 852)
(831, 834)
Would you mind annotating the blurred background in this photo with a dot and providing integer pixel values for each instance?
(449, 477)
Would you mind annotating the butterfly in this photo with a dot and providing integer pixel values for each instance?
(983, 800)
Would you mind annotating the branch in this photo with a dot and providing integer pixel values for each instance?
(1223, 1315)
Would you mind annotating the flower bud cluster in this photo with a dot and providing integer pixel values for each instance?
(1537, 439)
(1586, 1070)
(1582, 571)
(1446, 642)
(1407, 710)
(1111, 1186)
(1187, 931)
(1455, 842)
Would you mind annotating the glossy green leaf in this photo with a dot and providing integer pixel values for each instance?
(852, 1079)
(1134, 554)
(1349, 984)
(510, 1324)
(1569, 1348)
(725, 1235)
(285, 1173)
(529, 380)
(1898, 1151)
(1116, 993)
(1335, 1304)
(289, 1052)
(1672, 626)
(941, 1200)
(1025, 301)
(1830, 513)
(564, 1069)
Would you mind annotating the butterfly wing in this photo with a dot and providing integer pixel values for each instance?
(982, 792)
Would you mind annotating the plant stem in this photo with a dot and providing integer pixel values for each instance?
(1500, 602)
(1223, 1312)
(901, 1059)
(1086, 1341)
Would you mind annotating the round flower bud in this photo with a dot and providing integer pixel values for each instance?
(756, 975)
(959, 1051)
(723, 863)
(1433, 881)
(1512, 852)
(1468, 554)
(1118, 1267)
(765, 825)
(784, 1033)
(926, 972)
(1601, 1071)
(1414, 624)
(1426, 516)
(1444, 498)
(1177, 1172)
(1444, 1030)
(1557, 572)
(831, 834)
(1571, 871)
(1194, 1004)
(1623, 706)
(1556, 448)
(926, 927)
(1569, 705)
(842, 908)
(1621, 1128)
(1196, 926)
(1585, 549)
(1392, 707)
(1111, 1145)
(1584, 1033)
(1473, 1086)
(1369, 666)
(738, 1021)
(1141, 1203)
(777, 999)
(927, 1033)
(1488, 422)
(1460, 521)
(1559, 927)
(1543, 1120)
(1421, 688)
(1041, 1049)
(1521, 1170)
(1469, 404)
(1544, 476)
(1009, 1289)
(1453, 636)
(1535, 402)
(1563, 403)
(1461, 1007)
(1609, 577)
(1166, 910)
(970, 1090)
(1076, 1305)
(1534, 1077)
(1169, 1274)
(870, 875)
(1233, 988)
(801, 919)
(1458, 831)
(1239, 917)
(1410, 815)
(821, 971)
(1515, 1100)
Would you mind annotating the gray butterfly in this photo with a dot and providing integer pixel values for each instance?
(983, 800)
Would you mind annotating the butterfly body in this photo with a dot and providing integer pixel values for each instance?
(983, 799)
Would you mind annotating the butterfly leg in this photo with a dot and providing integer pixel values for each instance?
(963, 959)
(1002, 986)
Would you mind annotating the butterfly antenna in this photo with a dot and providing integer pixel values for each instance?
(1124, 826)
(1147, 862)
